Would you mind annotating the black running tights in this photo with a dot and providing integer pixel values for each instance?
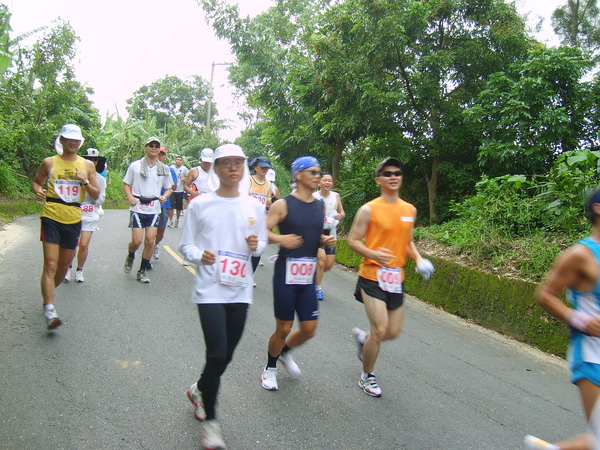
(222, 326)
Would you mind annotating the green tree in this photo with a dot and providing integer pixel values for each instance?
(172, 101)
(400, 74)
(535, 110)
(578, 24)
(39, 94)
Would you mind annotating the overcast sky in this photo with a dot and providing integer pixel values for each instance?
(126, 44)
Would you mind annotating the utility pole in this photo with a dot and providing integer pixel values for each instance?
(211, 93)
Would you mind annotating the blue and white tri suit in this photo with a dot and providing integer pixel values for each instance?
(584, 350)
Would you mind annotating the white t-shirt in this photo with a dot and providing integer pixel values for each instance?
(331, 203)
(181, 173)
(149, 186)
(201, 181)
(222, 224)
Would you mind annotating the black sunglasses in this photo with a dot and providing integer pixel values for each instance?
(389, 173)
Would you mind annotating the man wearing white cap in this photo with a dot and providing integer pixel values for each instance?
(223, 229)
(196, 182)
(142, 184)
(68, 177)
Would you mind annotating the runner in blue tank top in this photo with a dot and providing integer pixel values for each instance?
(300, 219)
(576, 271)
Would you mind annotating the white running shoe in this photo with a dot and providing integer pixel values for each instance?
(156, 251)
(359, 335)
(79, 276)
(370, 386)
(185, 262)
(68, 275)
(170, 225)
(533, 443)
(290, 365)
(177, 224)
(269, 379)
(212, 438)
(195, 397)
(52, 319)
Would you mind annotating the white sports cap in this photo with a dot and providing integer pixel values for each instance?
(270, 175)
(224, 151)
(206, 155)
(71, 131)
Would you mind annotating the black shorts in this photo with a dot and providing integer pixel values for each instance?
(300, 299)
(329, 250)
(372, 289)
(65, 235)
(140, 220)
(177, 200)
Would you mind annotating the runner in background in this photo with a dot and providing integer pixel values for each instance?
(90, 212)
(196, 182)
(260, 188)
(334, 213)
(166, 212)
(177, 197)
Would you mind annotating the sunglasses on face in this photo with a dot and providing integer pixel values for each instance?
(153, 146)
(389, 173)
(314, 173)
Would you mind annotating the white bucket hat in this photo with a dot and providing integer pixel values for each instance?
(68, 131)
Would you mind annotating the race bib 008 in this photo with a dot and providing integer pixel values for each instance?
(300, 270)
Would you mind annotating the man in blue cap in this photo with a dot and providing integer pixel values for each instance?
(300, 219)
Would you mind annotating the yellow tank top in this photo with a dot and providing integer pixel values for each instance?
(390, 227)
(64, 187)
(262, 192)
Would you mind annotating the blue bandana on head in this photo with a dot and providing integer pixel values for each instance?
(302, 163)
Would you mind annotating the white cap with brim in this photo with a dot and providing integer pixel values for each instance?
(207, 155)
(224, 151)
(68, 131)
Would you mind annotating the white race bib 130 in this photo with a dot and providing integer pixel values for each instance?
(232, 268)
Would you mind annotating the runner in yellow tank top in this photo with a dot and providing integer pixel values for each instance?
(68, 177)
(382, 234)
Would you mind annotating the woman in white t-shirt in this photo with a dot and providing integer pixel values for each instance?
(334, 213)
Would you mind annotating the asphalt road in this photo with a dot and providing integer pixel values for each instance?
(114, 375)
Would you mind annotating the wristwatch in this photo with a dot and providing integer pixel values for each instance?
(86, 182)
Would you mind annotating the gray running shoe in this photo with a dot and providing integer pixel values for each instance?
(52, 320)
(290, 365)
(177, 224)
(128, 264)
(356, 332)
(195, 397)
(141, 277)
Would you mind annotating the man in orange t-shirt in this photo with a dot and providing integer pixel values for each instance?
(382, 233)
